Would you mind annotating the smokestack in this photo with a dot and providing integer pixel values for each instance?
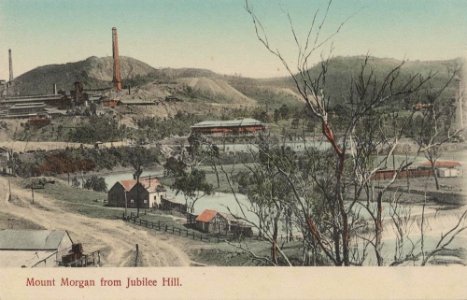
(117, 78)
(11, 65)
(55, 89)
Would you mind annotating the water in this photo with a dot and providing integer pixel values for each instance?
(435, 223)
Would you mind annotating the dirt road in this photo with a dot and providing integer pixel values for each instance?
(116, 239)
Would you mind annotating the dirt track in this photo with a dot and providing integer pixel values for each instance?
(114, 238)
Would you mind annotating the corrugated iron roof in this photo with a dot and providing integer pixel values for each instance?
(207, 215)
(228, 123)
(31, 239)
(443, 164)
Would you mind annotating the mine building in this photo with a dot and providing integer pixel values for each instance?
(125, 193)
(24, 110)
(58, 101)
(242, 127)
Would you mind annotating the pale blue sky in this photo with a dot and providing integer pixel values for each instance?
(218, 34)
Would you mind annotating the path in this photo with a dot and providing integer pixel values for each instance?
(114, 238)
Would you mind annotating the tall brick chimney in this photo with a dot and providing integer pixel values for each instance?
(11, 65)
(117, 77)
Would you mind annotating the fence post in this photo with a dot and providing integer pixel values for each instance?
(137, 255)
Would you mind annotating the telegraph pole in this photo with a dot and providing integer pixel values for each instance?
(9, 190)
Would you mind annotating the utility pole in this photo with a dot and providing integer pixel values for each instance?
(9, 190)
(10, 60)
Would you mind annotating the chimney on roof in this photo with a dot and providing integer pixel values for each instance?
(117, 78)
(11, 65)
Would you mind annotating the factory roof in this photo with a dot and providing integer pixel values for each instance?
(48, 96)
(136, 102)
(228, 123)
(31, 239)
(27, 105)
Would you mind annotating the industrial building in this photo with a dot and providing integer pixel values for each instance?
(242, 127)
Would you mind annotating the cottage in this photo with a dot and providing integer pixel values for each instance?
(125, 193)
(212, 221)
(33, 248)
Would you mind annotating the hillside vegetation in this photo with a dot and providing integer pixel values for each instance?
(205, 86)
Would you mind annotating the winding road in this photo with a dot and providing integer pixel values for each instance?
(115, 239)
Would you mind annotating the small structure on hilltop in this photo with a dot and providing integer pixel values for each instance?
(445, 168)
(33, 248)
(212, 221)
(242, 127)
(125, 193)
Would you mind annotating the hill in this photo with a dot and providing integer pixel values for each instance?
(93, 72)
(148, 83)
(204, 86)
(342, 69)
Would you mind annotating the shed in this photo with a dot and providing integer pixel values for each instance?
(211, 221)
(33, 248)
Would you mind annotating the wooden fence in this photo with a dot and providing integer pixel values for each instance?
(412, 173)
(183, 232)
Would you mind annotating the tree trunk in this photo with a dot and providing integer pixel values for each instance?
(379, 229)
(435, 175)
(274, 239)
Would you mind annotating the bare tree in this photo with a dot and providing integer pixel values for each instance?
(432, 124)
(362, 142)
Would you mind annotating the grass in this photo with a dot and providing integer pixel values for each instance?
(81, 201)
(8, 221)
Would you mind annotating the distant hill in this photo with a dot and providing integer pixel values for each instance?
(93, 72)
(205, 86)
(341, 70)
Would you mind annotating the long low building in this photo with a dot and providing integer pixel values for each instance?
(230, 127)
(54, 100)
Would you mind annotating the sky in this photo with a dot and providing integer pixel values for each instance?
(219, 34)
